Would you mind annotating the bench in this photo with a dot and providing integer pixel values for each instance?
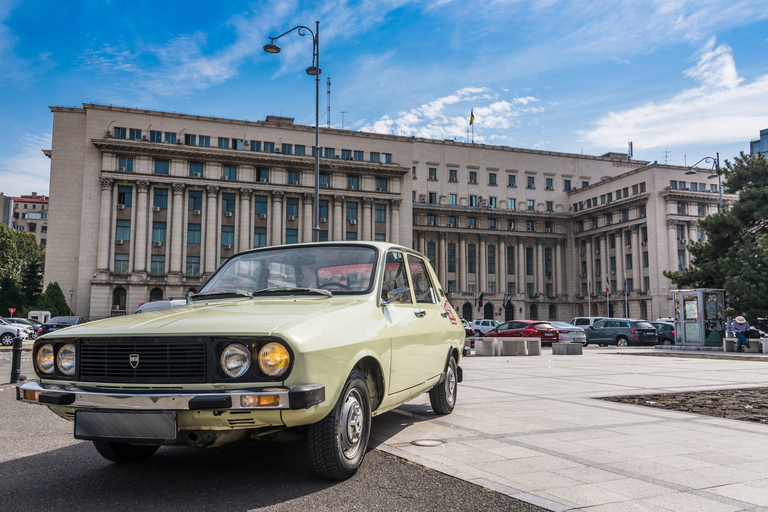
(756, 346)
(507, 346)
(567, 349)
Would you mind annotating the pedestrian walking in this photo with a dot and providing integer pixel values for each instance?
(740, 327)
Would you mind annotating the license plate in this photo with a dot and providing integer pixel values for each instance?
(126, 426)
(547, 334)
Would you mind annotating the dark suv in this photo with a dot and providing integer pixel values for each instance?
(621, 332)
(666, 332)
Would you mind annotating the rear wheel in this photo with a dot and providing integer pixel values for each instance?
(621, 341)
(337, 443)
(6, 339)
(124, 452)
(443, 396)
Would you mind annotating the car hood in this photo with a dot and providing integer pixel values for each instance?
(217, 317)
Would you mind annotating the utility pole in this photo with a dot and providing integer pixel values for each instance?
(329, 102)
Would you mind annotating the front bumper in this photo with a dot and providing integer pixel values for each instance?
(267, 398)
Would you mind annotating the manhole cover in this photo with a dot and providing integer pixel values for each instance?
(429, 443)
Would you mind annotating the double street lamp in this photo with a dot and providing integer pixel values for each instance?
(715, 173)
(313, 70)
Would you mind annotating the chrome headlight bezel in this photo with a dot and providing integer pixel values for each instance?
(274, 359)
(229, 357)
(67, 366)
(48, 365)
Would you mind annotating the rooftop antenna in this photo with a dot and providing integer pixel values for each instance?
(329, 102)
(342, 118)
(630, 152)
(667, 152)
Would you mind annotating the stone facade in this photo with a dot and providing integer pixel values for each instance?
(147, 204)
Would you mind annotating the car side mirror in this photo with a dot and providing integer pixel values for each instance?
(397, 295)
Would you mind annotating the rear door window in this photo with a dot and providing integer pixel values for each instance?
(423, 289)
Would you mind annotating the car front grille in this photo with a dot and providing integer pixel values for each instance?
(143, 360)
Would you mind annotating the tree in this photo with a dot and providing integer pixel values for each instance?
(735, 254)
(31, 284)
(9, 258)
(53, 300)
(10, 294)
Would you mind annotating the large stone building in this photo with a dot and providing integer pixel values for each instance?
(30, 214)
(147, 204)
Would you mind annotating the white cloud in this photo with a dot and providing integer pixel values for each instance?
(27, 170)
(721, 109)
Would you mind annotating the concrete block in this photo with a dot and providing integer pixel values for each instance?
(513, 347)
(484, 347)
(566, 349)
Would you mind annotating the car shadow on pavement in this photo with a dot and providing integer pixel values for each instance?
(391, 423)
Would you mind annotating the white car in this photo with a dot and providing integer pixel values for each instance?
(569, 333)
(8, 332)
(484, 325)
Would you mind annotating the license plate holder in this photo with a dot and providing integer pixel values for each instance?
(126, 426)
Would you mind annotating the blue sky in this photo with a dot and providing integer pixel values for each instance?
(680, 79)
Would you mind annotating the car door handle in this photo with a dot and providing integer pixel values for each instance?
(444, 314)
(420, 312)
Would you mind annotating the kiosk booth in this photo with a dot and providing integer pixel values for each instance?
(700, 320)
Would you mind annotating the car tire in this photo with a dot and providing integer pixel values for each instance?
(667, 341)
(6, 339)
(338, 442)
(621, 341)
(124, 452)
(443, 396)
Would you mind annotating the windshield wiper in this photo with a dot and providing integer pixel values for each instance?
(291, 289)
(219, 293)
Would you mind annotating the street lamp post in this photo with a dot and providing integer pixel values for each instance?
(313, 70)
(715, 173)
(71, 294)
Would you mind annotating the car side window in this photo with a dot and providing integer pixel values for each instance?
(394, 276)
(422, 284)
(503, 327)
(623, 324)
(600, 325)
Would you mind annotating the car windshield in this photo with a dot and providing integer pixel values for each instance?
(543, 325)
(563, 324)
(69, 320)
(644, 325)
(301, 269)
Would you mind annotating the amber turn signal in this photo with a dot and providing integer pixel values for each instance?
(260, 400)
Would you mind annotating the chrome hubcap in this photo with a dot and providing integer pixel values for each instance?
(352, 424)
(450, 384)
(622, 343)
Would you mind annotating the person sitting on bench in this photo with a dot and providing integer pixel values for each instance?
(740, 327)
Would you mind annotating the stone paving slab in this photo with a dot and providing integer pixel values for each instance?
(530, 428)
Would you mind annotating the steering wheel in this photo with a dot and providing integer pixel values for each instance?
(336, 284)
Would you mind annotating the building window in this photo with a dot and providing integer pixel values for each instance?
(134, 134)
(452, 199)
(124, 195)
(584, 184)
(511, 180)
(230, 172)
(121, 264)
(227, 235)
(190, 140)
(286, 149)
(259, 205)
(223, 143)
(472, 176)
(380, 213)
(256, 145)
(510, 225)
(170, 137)
(432, 198)
(451, 257)
(346, 154)
(453, 175)
(161, 198)
(432, 174)
(195, 200)
(291, 236)
(325, 180)
(492, 178)
(386, 158)
(529, 261)
(491, 223)
(119, 133)
(162, 166)
(451, 221)
(351, 236)
(358, 155)
(123, 230)
(529, 291)
(227, 203)
(531, 182)
(471, 258)
(431, 220)
(259, 237)
(550, 206)
(329, 153)
(628, 238)
(702, 210)
(491, 259)
(294, 177)
(196, 169)
(612, 264)
(375, 157)
(510, 260)
(511, 204)
(269, 147)
(204, 141)
(158, 232)
(431, 253)
(353, 182)
(628, 262)
(125, 163)
(292, 207)
(381, 184)
(157, 265)
(262, 175)
(155, 136)
(299, 150)
(471, 222)
(193, 266)
(193, 234)
(530, 205)
(352, 211)
(550, 184)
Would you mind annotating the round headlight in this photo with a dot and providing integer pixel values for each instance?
(66, 359)
(44, 359)
(235, 360)
(274, 359)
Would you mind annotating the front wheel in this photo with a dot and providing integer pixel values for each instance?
(124, 452)
(337, 443)
(443, 396)
(621, 341)
(6, 339)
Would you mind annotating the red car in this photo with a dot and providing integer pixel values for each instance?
(526, 329)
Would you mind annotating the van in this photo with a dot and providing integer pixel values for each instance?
(585, 321)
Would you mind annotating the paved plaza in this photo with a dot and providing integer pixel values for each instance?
(530, 427)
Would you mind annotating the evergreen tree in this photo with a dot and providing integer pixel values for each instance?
(53, 300)
(31, 284)
(10, 295)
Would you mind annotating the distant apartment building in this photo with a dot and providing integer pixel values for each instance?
(760, 145)
(147, 204)
(6, 210)
(30, 214)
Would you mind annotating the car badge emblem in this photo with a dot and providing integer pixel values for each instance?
(134, 359)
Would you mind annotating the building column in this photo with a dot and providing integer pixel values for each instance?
(105, 224)
(245, 219)
(461, 263)
(521, 269)
(598, 285)
(692, 225)
(637, 259)
(338, 217)
(422, 240)
(367, 217)
(277, 218)
(395, 229)
(557, 269)
(442, 260)
(177, 227)
(590, 254)
(306, 218)
(211, 229)
(620, 257)
(482, 265)
(140, 248)
(501, 270)
(672, 245)
(540, 268)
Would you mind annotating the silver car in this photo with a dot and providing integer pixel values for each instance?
(570, 333)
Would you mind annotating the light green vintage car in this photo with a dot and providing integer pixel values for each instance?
(312, 337)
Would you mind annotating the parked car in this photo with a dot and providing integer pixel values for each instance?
(8, 332)
(585, 321)
(570, 333)
(622, 332)
(27, 330)
(260, 349)
(158, 305)
(526, 329)
(484, 325)
(666, 332)
(60, 322)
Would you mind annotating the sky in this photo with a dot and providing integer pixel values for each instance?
(682, 80)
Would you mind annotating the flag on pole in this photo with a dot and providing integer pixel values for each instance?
(607, 284)
(589, 286)
(625, 283)
(480, 301)
(472, 117)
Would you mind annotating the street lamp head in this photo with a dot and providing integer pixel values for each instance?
(690, 172)
(314, 71)
(713, 176)
(271, 48)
